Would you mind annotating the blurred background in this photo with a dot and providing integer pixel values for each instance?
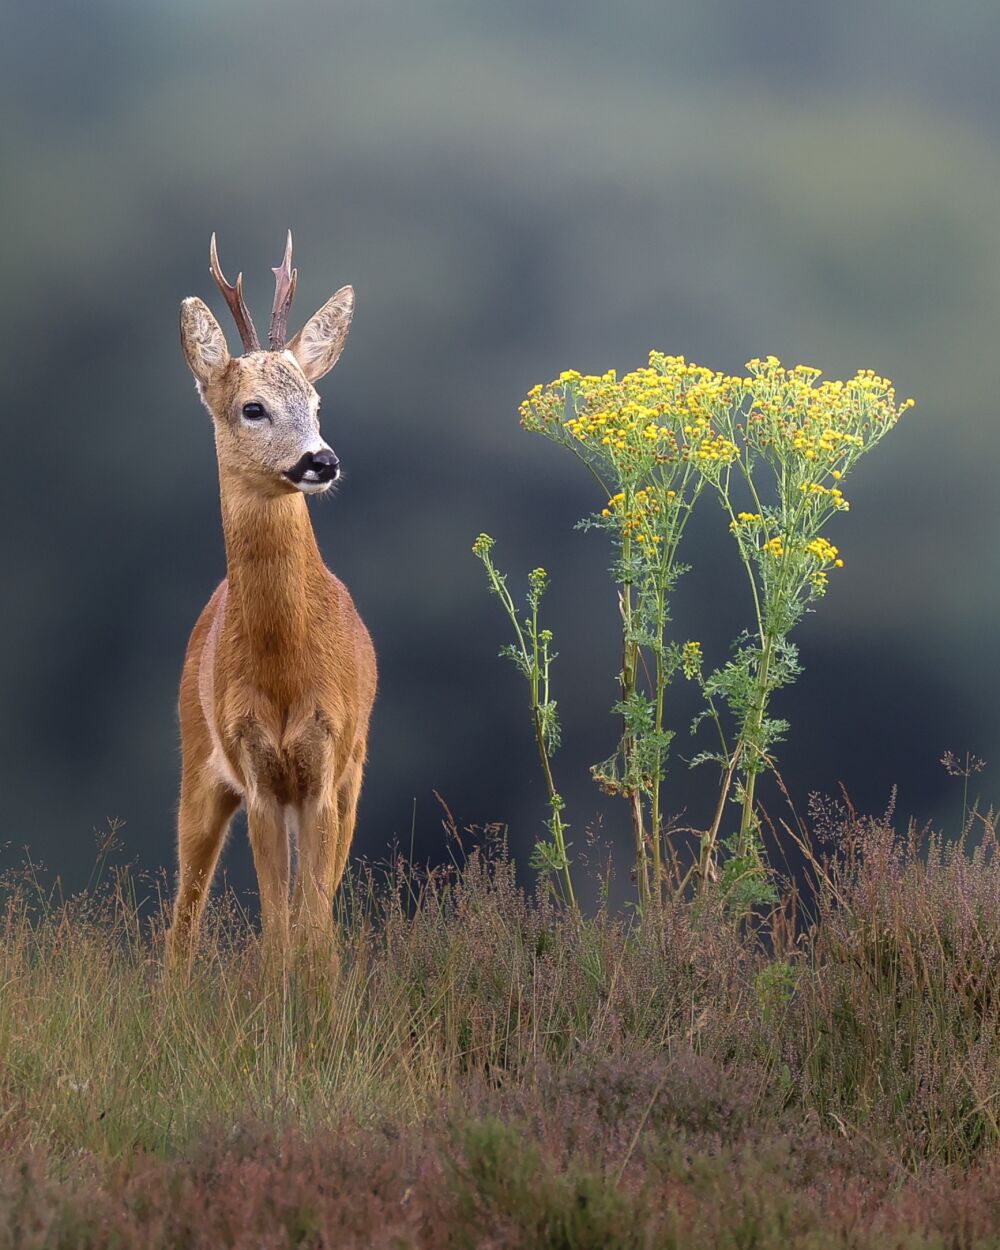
(513, 190)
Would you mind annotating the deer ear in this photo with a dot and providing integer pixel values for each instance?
(203, 341)
(318, 345)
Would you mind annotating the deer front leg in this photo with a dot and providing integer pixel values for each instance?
(206, 808)
(318, 844)
(348, 793)
(269, 843)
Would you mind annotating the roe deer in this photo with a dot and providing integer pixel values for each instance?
(279, 677)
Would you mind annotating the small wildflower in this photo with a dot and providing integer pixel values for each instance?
(691, 659)
(824, 551)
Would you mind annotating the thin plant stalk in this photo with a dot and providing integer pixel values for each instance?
(630, 658)
(531, 653)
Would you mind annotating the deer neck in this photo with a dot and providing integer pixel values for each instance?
(273, 566)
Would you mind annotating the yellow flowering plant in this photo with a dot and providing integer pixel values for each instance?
(797, 439)
(774, 447)
(649, 445)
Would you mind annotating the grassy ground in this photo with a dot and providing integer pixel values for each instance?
(489, 1072)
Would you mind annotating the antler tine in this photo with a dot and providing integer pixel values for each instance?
(234, 298)
(285, 278)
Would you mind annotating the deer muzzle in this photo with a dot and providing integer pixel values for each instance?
(314, 471)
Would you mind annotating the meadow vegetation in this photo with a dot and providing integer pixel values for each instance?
(494, 1068)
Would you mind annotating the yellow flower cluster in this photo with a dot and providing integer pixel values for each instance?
(713, 447)
(691, 659)
(825, 552)
(829, 422)
(662, 422)
(656, 414)
(639, 514)
(826, 441)
(674, 408)
(833, 493)
(617, 429)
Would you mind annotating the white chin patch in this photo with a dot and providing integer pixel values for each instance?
(310, 486)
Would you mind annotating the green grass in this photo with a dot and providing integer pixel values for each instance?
(488, 1070)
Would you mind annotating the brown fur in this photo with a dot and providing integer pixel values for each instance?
(279, 678)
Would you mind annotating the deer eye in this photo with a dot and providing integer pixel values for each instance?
(254, 412)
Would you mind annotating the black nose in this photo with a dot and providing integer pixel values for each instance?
(315, 466)
(324, 464)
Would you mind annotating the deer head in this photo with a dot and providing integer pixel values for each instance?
(263, 404)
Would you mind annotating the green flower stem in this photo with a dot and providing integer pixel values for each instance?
(661, 679)
(654, 805)
(751, 730)
(540, 671)
(555, 804)
(630, 657)
(708, 844)
(662, 675)
(706, 858)
(752, 767)
(534, 660)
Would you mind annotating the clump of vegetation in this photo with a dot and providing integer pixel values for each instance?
(495, 1068)
(773, 447)
(901, 1017)
(446, 975)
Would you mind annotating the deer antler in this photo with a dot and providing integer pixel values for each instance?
(234, 298)
(285, 278)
